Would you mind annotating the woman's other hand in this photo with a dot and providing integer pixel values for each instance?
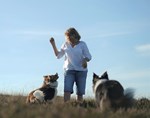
(84, 63)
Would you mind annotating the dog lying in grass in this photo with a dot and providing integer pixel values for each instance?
(48, 91)
(110, 94)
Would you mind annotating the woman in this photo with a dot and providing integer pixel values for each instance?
(75, 65)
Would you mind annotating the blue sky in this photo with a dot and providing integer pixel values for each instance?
(117, 33)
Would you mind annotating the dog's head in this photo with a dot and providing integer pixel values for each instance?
(96, 78)
(48, 79)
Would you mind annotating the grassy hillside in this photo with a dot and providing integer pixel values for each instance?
(15, 107)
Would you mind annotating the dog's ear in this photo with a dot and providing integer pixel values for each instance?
(95, 78)
(54, 77)
(105, 75)
(56, 74)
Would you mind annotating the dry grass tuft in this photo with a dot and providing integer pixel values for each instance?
(15, 107)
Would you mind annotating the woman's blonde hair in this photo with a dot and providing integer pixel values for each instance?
(73, 32)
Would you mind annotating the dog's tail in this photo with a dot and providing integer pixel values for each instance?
(128, 99)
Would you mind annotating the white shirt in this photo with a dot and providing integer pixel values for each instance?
(74, 55)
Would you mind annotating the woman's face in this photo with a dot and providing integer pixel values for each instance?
(71, 40)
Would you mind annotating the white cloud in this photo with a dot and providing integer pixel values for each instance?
(143, 49)
(29, 32)
(139, 74)
(113, 34)
(130, 74)
(34, 32)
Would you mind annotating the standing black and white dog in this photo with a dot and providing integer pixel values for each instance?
(48, 91)
(110, 94)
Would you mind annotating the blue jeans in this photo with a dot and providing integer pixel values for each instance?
(78, 77)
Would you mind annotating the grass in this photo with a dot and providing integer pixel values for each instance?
(15, 107)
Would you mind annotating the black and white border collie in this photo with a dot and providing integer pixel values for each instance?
(110, 94)
(47, 92)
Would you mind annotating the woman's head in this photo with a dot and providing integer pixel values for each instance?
(72, 35)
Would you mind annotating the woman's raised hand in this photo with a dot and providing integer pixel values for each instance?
(52, 41)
